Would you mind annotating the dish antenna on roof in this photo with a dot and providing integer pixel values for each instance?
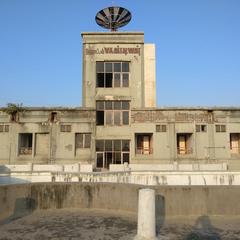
(113, 17)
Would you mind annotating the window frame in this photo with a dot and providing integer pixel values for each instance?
(111, 114)
(83, 140)
(114, 72)
(111, 151)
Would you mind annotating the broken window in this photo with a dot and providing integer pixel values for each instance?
(161, 128)
(112, 113)
(25, 143)
(83, 140)
(65, 128)
(201, 128)
(143, 143)
(235, 143)
(220, 128)
(112, 152)
(184, 143)
(112, 74)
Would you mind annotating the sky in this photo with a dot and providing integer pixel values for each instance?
(197, 49)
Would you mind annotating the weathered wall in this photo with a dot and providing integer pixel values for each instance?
(207, 147)
(95, 46)
(170, 201)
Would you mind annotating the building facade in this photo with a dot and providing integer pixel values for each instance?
(119, 121)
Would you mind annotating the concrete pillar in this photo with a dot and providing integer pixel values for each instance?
(146, 215)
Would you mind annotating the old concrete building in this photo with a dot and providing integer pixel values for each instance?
(119, 121)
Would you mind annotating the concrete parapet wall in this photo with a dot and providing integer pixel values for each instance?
(170, 167)
(17, 200)
(153, 178)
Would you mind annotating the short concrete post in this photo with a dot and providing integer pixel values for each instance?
(146, 215)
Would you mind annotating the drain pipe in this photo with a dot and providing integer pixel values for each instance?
(146, 229)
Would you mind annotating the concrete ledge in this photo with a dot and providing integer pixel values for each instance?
(170, 200)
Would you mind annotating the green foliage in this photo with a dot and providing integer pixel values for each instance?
(13, 108)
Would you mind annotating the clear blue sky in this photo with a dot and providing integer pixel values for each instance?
(198, 49)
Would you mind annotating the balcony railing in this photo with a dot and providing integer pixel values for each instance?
(144, 151)
(25, 151)
(235, 150)
(184, 151)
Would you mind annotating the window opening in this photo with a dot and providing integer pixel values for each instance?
(201, 128)
(235, 143)
(112, 152)
(112, 74)
(112, 113)
(25, 143)
(184, 143)
(220, 128)
(65, 128)
(144, 143)
(83, 140)
(53, 117)
(161, 128)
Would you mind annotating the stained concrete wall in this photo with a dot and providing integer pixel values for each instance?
(208, 147)
(95, 48)
(19, 200)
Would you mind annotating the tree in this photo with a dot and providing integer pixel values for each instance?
(13, 109)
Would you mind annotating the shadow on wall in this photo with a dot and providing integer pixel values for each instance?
(203, 230)
(5, 177)
(22, 208)
(160, 212)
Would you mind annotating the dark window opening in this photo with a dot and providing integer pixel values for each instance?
(220, 128)
(14, 117)
(144, 143)
(112, 152)
(114, 113)
(83, 140)
(100, 79)
(53, 117)
(25, 143)
(201, 128)
(235, 143)
(161, 128)
(184, 143)
(100, 118)
(112, 74)
(108, 79)
(65, 128)
(100, 160)
(4, 128)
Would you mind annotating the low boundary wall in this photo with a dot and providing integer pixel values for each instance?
(22, 199)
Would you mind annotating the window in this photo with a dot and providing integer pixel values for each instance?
(25, 143)
(83, 140)
(65, 128)
(161, 128)
(4, 128)
(201, 128)
(112, 74)
(143, 143)
(184, 143)
(112, 152)
(111, 113)
(220, 128)
(235, 143)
